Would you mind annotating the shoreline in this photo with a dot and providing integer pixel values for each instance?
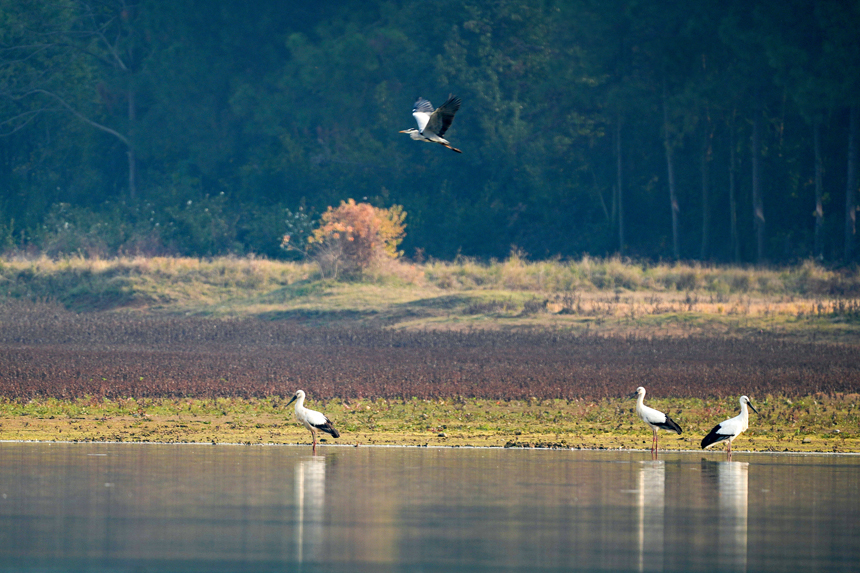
(803, 425)
(437, 447)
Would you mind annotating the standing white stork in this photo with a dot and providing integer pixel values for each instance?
(730, 429)
(311, 419)
(432, 124)
(654, 418)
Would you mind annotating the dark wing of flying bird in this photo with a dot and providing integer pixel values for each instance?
(441, 119)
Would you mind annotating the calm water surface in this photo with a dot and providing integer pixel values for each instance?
(138, 508)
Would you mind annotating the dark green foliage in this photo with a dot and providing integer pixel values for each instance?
(194, 127)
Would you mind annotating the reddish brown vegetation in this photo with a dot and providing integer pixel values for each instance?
(46, 351)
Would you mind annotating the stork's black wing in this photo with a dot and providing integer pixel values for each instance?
(670, 425)
(328, 428)
(441, 119)
(715, 436)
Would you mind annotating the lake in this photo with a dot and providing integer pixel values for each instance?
(150, 507)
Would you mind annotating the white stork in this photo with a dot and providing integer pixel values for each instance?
(730, 429)
(311, 419)
(432, 124)
(654, 418)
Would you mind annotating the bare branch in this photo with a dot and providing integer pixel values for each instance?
(99, 32)
(28, 117)
(84, 118)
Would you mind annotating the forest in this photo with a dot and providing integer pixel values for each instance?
(721, 132)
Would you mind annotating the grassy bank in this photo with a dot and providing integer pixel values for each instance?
(607, 294)
(812, 423)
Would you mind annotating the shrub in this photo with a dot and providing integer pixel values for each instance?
(208, 226)
(349, 238)
(103, 231)
(299, 230)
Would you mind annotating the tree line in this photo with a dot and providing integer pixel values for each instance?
(722, 132)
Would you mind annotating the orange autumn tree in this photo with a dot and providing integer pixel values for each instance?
(350, 237)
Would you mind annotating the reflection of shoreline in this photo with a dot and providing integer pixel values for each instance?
(651, 503)
(733, 487)
(310, 502)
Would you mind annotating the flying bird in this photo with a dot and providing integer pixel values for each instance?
(728, 430)
(311, 419)
(432, 124)
(654, 418)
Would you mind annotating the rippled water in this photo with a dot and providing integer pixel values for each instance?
(105, 507)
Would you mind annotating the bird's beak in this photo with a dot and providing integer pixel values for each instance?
(751, 406)
(634, 395)
(291, 401)
(402, 131)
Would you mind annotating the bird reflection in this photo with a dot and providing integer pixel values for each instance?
(651, 502)
(733, 489)
(733, 482)
(310, 502)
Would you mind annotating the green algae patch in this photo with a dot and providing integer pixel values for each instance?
(820, 423)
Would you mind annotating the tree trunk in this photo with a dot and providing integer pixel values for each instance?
(706, 207)
(758, 206)
(818, 251)
(619, 173)
(670, 167)
(733, 202)
(132, 158)
(851, 186)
